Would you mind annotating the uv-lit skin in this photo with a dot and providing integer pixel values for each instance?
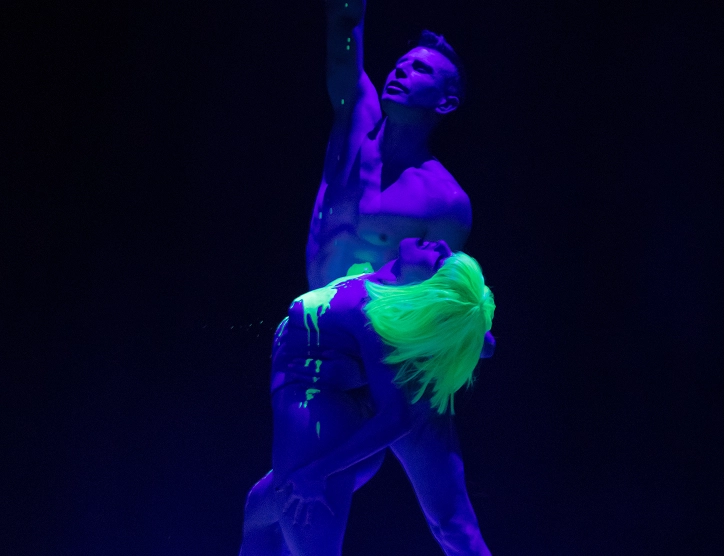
(381, 184)
(331, 423)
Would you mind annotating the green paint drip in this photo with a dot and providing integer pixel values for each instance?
(318, 429)
(348, 47)
(315, 304)
(342, 101)
(308, 362)
(318, 365)
(309, 395)
(320, 215)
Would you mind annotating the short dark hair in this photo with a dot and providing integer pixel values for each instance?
(457, 84)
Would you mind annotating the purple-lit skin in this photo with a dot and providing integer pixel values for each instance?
(380, 185)
(421, 257)
(380, 182)
(488, 349)
(302, 506)
(357, 412)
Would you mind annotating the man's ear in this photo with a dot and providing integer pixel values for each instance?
(448, 104)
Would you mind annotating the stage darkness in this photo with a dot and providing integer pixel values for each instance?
(159, 165)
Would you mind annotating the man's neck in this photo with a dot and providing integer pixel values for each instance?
(389, 274)
(404, 143)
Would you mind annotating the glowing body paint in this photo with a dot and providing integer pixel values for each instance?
(315, 304)
(359, 268)
(318, 367)
(309, 395)
(318, 429)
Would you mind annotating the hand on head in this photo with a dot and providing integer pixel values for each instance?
(488, 349)
(303, 491)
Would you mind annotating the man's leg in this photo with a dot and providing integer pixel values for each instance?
(431, 458)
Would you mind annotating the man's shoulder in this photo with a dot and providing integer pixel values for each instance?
(442, 188)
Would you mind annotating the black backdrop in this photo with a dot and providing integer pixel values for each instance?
(162, 160)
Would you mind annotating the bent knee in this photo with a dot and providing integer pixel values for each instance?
(260, 506)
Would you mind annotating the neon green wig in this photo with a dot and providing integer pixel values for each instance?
(436, 328)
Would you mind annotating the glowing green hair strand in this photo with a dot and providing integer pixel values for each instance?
(436, 328)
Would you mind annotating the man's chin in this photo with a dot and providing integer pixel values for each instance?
(397, 109)
(389, 102)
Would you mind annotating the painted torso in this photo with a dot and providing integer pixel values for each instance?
(316, 345)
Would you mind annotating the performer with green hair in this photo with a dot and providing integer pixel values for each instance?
(433, 326)
(380, 184)
(356, 366)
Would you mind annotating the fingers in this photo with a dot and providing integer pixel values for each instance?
(309, 512)
(288, 504)
(304, 509)
(323, 501)
(488, 348)
(299, 509)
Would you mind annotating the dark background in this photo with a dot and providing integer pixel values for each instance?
(160, 161)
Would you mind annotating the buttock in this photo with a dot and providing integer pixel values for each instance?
(308, 422)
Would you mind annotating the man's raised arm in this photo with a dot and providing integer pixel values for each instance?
(344, 57)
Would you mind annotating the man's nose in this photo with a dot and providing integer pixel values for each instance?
(399, 72)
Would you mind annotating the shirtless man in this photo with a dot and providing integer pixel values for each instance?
(380, 185)
(380, 182)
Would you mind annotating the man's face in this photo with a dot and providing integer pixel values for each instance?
(419, 79)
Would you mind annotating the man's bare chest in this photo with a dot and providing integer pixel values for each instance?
(391, 192)
(388, 213)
